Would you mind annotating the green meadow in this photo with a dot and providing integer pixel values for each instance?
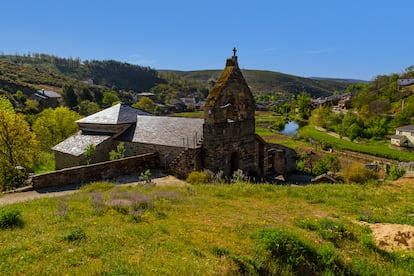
(223, 229)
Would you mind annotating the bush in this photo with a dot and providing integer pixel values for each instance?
(76, 234)
(326, 164)
(11, 178)
(10, 218)
(196, 177)
(394, 172)
(359, 174)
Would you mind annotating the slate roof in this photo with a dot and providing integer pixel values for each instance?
(167, 131)
(77, 144)
(409, 128)
(47, 94)
(117, 114)
(399, 137)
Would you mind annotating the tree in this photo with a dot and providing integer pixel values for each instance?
(31, 106)
(86, 95)
(326, 164)
(110, 98)
(89, 153)
(320, 116)
(5, 104)
(145, 103)
(303, 105)
(18, 146)
(87, 108)
(69, 96)
(54, 125)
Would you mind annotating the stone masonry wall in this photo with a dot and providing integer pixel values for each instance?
(166, 153)
(186, 162)
(225, 141)
(96, 172)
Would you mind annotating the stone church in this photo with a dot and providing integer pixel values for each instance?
(224, 140)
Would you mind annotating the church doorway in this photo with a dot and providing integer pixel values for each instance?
(234, 163)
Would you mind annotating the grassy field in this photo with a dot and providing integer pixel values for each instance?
(208, 230)
(377, 148)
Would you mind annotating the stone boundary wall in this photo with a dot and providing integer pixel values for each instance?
(96, 172)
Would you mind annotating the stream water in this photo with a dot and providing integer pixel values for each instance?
(291, 129)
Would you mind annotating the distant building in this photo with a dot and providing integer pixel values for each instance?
(88, 81)
(403, 137)
(405, 82)
(138, 96)
(190, 102)
(47, 98)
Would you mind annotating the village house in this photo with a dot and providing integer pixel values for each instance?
(224, 140)
(405, 82)
(403, 137)
(47, 98)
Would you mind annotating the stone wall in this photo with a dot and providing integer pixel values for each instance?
(96, 172)
(166, 153)
(186, 162)
(229, 147)
(64, 160)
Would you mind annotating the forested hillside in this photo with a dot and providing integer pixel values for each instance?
(114, 74)
(274, 83)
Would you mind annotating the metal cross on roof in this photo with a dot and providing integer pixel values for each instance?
(234, 51)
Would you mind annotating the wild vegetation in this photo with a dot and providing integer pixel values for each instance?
(278, 85)
(238, 228)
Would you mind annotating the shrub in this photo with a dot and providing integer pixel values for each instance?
(394, 172)
(196, 177)
(10, 218)
(119, 153)
(239, 176)
(76, 234)
(359, 174)
(145, 176)
(326, 164)
(11, 177)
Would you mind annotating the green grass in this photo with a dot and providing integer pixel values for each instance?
(193, 114)
(377, 148)
(208, 229)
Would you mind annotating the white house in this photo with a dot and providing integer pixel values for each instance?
(405, 82)
(403, 137)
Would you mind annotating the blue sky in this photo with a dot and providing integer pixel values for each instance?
(324, 38)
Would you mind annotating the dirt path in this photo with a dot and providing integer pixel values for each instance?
(393, 237)
(157, 178)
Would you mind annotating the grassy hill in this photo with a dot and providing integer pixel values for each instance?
(274, 83)
(208, 229)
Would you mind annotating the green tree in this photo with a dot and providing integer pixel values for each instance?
(69, 96)
(320, 116)
(87, 108)
(110, 98)
(303, 105)
(145, 103)
(18, 146)
(5, 104)
(54, 125)
(89, 153)
(328, 163)
(86, 95)
(31, 106)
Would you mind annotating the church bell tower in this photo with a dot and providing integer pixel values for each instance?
(229, 123)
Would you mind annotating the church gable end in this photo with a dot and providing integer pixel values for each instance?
(229, 124)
